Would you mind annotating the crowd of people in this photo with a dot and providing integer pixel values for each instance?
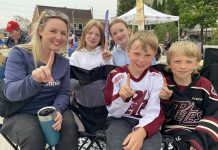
(140, 102)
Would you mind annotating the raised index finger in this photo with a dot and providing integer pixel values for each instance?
(50, 60)
(128, 80)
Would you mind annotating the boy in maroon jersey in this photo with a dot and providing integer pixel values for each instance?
(132, 98)
(190, 101)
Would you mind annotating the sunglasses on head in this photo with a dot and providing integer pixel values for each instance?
(53, 13)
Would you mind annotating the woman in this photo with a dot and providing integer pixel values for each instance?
(37, 71)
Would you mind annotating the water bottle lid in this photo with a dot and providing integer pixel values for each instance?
(46, 111)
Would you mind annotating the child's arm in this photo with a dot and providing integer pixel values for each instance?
(165, 92)
(117, 105)
(205, 135)
(135, 139)
(152, 114)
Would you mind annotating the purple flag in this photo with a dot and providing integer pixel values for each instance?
(106, 32)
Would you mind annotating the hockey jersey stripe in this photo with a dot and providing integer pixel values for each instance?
(211, 132)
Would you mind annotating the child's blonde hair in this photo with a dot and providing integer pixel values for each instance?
(89, 25)
(186, 48)
(145, 38)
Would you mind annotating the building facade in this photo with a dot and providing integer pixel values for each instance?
(77, 17)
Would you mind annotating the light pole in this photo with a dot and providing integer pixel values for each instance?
(73, 20)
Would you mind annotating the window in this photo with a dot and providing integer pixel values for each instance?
(75, 26)
(80, 26)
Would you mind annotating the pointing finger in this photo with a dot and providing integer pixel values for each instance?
(50, 60)
(128, 80)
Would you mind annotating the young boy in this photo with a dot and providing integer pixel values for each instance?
(190, 101)
(132, 98)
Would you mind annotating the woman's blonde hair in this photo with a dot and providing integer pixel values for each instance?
(89, 25)
(145, 38)
(186, 48)
(35, 45)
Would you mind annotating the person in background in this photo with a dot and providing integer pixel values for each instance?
(37, 71)
(190, 101)
(16, 34)
(184, 36)
(74, 47)
(132, 98)
(167, 42)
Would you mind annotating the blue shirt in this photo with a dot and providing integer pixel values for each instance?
(10, 42)
(120, 56)
(20, 85)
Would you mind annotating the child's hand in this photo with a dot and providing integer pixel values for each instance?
(135, 140)
(126, 91)
(165, 93)
(58, 121)
(43, 73)
(192, 148)
(106, 54)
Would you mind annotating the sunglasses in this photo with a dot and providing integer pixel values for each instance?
(52, 13)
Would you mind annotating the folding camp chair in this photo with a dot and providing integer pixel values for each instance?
(210, 56)
(211, 73)
(93, 132)
(15, 146)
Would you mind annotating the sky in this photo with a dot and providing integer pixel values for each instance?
(25, 8)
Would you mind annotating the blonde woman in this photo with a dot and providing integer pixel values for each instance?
(36, 70)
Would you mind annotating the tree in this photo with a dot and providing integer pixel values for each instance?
(155, 5)
(172, 7)
(125, 6)
(23, 22)
(162, 29)
(202, 12)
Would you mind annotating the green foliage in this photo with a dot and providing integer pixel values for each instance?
(155, 5)
(125, 6)
(172, 7)
(202, 12)
(214, 40)
(162, 29)
(23, 22)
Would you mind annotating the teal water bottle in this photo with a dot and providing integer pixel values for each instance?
(46, 117)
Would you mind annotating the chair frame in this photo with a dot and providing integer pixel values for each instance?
(15, 146)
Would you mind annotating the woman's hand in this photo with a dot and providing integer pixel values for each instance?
(135, 139)
(43, 73)
(126, 91)
(165, 92)
(58, 121)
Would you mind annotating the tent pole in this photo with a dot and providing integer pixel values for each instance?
(178, 32)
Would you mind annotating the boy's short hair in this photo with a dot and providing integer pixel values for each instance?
(145, 38)
(186, 48)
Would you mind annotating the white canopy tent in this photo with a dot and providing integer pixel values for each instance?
(151, 16)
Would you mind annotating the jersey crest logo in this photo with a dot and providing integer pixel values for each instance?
(138, 103)
(187, 113)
